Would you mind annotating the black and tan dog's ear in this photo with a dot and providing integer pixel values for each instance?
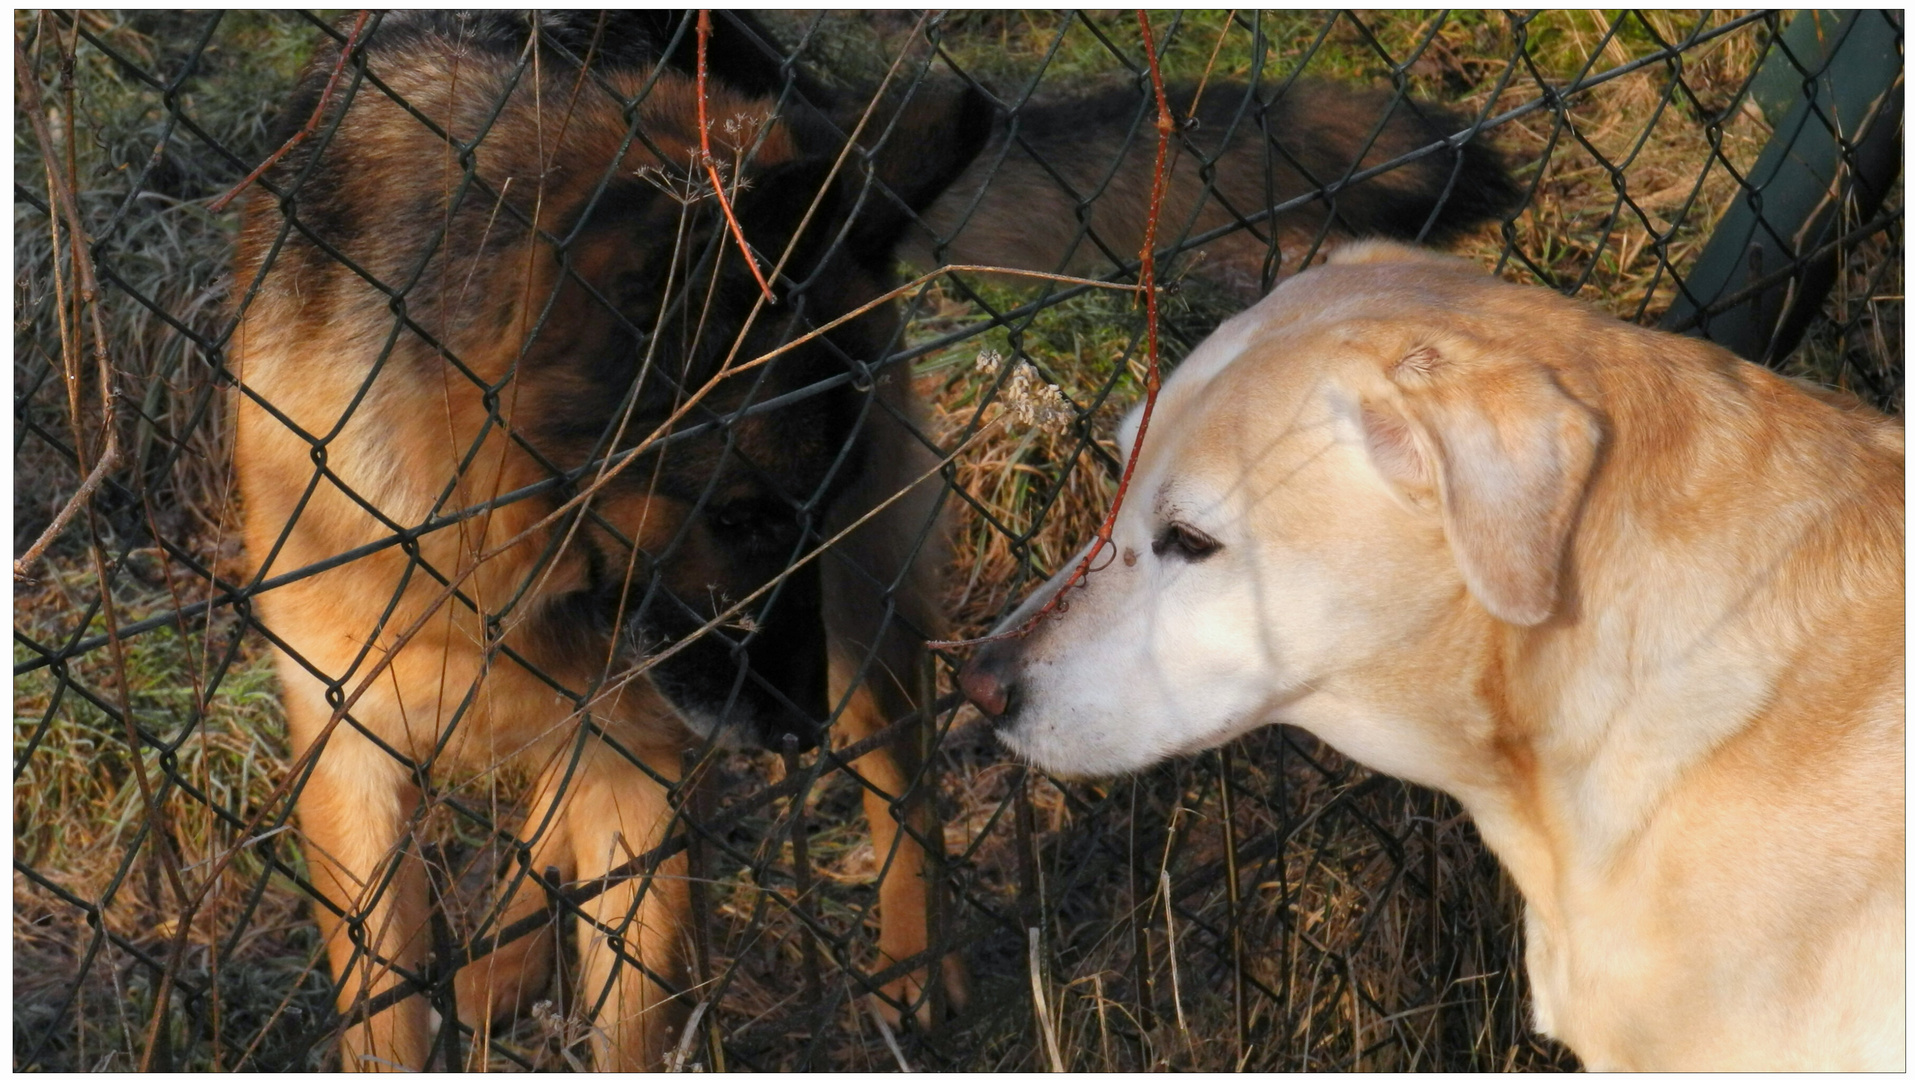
(916, 148)
(779, 197)
(1510, 455)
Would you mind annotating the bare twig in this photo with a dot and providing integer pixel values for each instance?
(312, 124)
(676, 1060)
(1204, 80)
(1170, 940)
(108, 459)
(890, 1040)
(818, 198)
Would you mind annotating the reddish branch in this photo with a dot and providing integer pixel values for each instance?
(312, 124)
(711, 167)
(1147, 284)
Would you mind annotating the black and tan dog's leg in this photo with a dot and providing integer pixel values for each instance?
(632, 951)
(503, 983)
(354, 813)
(880, 600)
(904, 893)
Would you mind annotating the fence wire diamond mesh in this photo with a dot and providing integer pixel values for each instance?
(568, 569)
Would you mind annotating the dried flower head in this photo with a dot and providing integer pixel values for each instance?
(1028, 401)
(564, 1030)
(694, 184)
(739, 129)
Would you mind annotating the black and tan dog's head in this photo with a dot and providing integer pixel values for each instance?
(748, 422)
(525, 233)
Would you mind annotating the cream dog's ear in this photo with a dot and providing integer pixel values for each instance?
(1512, 456)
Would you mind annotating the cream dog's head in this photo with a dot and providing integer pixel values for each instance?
(1341, 495)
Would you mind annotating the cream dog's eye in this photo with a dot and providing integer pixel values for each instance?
(1184, 542)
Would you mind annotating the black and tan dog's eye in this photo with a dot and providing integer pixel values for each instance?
(754, 522)
(1184, 542)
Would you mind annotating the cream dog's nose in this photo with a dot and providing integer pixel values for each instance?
(989, 677)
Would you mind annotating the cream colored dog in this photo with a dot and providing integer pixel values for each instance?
(1637, 604)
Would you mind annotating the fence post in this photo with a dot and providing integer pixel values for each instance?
(1838, 143)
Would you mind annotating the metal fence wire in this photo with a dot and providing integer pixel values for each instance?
(479, 626)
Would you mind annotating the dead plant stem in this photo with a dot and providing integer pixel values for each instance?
(85, 295)
(1040, 1000)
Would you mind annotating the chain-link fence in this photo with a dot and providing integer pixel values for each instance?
(565, 384)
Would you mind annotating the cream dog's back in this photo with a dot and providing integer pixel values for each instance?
(1636, 603)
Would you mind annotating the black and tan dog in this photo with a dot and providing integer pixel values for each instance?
(500, 366)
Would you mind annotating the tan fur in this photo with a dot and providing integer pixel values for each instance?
(1636, 603)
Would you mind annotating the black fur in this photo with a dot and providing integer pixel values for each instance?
(1068, 160)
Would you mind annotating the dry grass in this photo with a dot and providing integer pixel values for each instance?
(1371, 928)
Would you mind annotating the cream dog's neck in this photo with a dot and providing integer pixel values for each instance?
(1627, 741)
